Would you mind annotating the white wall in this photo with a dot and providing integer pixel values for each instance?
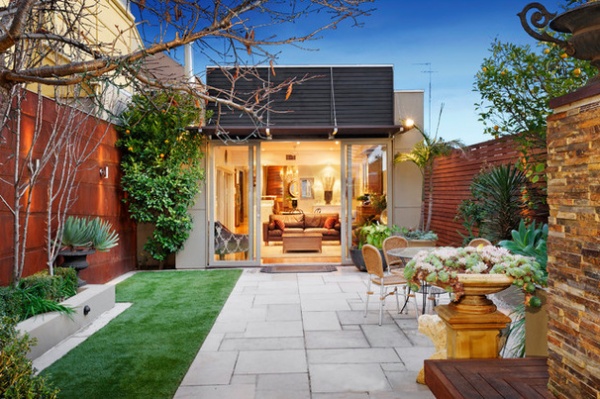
(408, 182)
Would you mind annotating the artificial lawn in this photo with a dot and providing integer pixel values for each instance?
(146, 351)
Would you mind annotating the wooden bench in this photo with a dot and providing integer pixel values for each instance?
(302, 242)
(525, 378)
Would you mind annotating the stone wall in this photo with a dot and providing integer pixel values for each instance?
(574, 244)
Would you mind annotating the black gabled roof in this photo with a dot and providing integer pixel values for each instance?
(358, 100)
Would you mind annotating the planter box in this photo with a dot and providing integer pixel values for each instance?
(51, 328)
(421, 243)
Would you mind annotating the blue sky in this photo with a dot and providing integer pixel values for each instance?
(453, 36)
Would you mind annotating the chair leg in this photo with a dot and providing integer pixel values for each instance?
(382, 297)
(369, 293)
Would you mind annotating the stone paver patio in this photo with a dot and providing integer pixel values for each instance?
(303, 336)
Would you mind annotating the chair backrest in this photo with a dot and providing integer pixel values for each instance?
(479, 241)
(391, 243)
(373, 261)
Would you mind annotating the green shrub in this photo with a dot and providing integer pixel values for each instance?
(38, 293)
(17, 379)
(94, 233)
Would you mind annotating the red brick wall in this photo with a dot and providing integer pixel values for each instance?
(574, 245)
(95, 197)
(452, 178)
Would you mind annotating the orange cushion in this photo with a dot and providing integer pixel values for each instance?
(329, 222)
(280, 224)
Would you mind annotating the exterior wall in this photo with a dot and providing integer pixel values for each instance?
(194, 254)
(95, 197)
(407, 179)
(573, 245)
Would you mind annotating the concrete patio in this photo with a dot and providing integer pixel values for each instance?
(303, 335)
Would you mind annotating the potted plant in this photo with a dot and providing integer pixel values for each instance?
(374, 234)
(418, 238)
(81, 237)
(471, 273)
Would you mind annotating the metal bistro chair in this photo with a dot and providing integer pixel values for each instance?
(374, 264)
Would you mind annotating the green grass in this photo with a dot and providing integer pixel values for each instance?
(146, 351)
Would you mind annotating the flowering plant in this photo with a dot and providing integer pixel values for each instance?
(443, 265)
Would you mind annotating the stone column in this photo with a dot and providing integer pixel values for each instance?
(573, 174)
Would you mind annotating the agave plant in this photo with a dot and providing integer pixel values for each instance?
(84, 233)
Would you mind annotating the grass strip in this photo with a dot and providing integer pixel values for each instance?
(146, 351)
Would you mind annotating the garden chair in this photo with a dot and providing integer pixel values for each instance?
(393, 242)
(374, 264)
(479, 241)
(227, 242)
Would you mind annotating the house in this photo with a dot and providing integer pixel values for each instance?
(319, 146)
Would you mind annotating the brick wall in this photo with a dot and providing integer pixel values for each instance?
(574, 245)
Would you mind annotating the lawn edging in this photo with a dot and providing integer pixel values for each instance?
(51, 328)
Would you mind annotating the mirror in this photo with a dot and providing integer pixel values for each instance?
(294, 189)
(306, 188)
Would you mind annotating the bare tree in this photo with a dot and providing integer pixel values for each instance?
(51, 47)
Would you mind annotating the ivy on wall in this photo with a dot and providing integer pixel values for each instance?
(161, 166)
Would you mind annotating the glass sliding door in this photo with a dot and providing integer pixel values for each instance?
(366, 178)
(233, 190)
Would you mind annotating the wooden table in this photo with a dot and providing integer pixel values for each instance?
(488, 378)
(302, 242)
(406, 254)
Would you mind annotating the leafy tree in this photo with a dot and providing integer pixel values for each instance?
(423, 154)
(516, 84)
(161, 166)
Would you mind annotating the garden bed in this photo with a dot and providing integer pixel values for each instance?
(51, 328)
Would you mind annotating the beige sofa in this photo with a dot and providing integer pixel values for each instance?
(328, 224)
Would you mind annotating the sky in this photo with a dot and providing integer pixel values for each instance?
(442, 43)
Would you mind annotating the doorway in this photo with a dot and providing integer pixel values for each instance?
(254, 184)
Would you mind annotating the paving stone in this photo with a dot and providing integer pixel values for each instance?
(274, 329)
(413, 357)
(211, 368)
(386, 335)
(283, 312)
(280, 382)
(320, 321)
(272, 343)
(342, 356)
(276, 299)
(323, 304)
(216, 392)
(347, 378)
(269, 362)
(335, 339)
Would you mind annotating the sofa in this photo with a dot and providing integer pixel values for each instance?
(328, 224)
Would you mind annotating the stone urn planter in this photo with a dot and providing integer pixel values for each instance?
(76, 259)
(476, 288)
(583, 22)
(359, 261)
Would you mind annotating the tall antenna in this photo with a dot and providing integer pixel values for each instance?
(430, 72)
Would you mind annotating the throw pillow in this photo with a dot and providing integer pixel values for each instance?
(280, 224)
(329, 222)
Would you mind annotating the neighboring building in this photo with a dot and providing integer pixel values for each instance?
(330, 142)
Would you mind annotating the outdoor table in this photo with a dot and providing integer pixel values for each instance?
(406, 254)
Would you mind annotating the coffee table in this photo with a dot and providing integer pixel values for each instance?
(302, 242)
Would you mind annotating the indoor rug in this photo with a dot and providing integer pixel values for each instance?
(298, 269)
